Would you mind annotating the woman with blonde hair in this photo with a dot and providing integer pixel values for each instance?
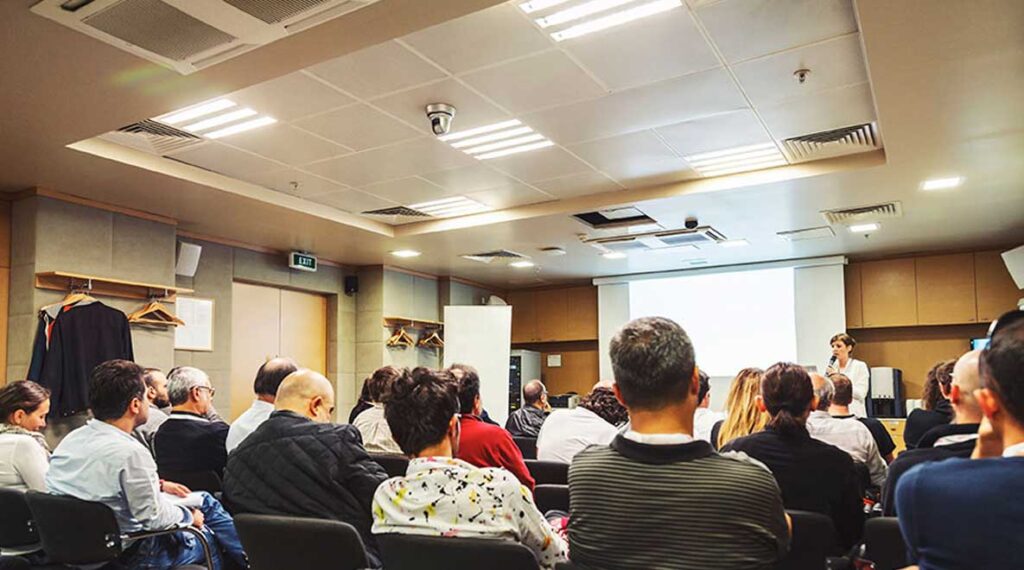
(743, 417)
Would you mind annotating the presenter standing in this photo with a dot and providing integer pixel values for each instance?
(855, 370)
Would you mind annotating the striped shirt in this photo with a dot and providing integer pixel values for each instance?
(682, 506)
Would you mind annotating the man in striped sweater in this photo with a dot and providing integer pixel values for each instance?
(657, 498)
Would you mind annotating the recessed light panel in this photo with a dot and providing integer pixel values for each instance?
(614, 255)
(865, 228)
(405, 253)
(942, 183)
(576, 18)
(450, 207)
(733, 160)
(521, 264)
(202, 119)
(734, 243)
(497, 140)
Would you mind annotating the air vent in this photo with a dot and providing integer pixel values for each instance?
(871, 213)
(275, 11)
(658, 240)
(153, 137)
(491, 256)
(401, 211)
(158, 28)
(836, 142)
(821, 232)
(616, 218)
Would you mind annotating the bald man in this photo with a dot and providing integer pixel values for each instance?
(268, 378)
(954, 440)
(298, 463)
(852, 437)
(527, 420)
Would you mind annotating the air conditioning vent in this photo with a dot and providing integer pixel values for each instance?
(657, 240)
(835, 142)
(615, 218)
(490, 256)
(275, 11)
(159, 28)
(153, 137)
(821, 232)
(871, 213)
(401, 211)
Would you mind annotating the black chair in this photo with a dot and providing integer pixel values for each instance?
(548, 472)
(528, 445)
(207, 481)
(80, 532)
(551, 498)
(884, 544)
(283, 543)
(812, 542)
(17, 530)
(394, 465)
(414, 552)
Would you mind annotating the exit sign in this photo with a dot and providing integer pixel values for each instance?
(302, 261)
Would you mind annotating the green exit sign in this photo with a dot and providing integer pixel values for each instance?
(302, 261)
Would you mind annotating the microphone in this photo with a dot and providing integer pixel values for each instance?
(832, 361)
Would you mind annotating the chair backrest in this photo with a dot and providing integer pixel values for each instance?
(74, 531)
(884, 543)
(16, 525)
(528, 445)
(207, 481)
(414, 552)
(275, 543)
(394, 465)
(551, 498)
(548, 472)
(812, 542)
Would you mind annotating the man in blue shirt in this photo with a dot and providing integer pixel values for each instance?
(980, 496)
(102, 462)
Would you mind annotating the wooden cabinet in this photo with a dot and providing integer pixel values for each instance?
(581, 322)
(997, 293)
(854, 308)
(945, 289)
(889, 292)
(524, 317)
(554, 315)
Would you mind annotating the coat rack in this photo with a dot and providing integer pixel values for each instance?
(64, 281)
(402, 339)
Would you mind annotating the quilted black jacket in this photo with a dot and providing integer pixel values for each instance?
(292, 466)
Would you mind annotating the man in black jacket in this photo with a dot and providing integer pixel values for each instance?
(298, 463)
(526, 421)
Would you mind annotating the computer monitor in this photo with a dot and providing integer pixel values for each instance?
(979, 343)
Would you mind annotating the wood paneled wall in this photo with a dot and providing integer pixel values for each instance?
(5, 283)
(579, 370)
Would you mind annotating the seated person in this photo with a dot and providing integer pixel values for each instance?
(840, 409)
(483, 444)
(704, 419)
(954, 440)
(934, 410)
(364, 402)
(813, 475)
(298, 443)
(442, 496)
(156, 394)
(526, 421)
(268, 378)
(852, 437)
(592, 422)
(371, 423)
(966, 513)
(188, 441)
(24, 453)
(657, 497)
(742, 414)
(102, 462)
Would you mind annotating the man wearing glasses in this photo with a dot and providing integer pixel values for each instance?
(188, 441)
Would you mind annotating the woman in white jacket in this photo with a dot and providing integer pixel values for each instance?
(855, 370)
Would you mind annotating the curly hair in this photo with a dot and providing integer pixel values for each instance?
(602, 401)
(940, 376)
(421, 405)
(378, 385)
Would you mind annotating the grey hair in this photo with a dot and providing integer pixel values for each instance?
(653, 362)
(825, 393)
(180, 382)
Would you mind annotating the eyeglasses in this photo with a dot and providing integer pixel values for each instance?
(1004, 321)
(213, 391)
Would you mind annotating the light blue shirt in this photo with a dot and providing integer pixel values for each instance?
(99, 462)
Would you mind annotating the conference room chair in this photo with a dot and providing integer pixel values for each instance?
(551, 498)
(884, 544)
(207, 481)
(548, 472)
(285, 543)
(394, 465)
(413, 552)
(528, 445)
(17, 530)
(79, 532)
(812, 542)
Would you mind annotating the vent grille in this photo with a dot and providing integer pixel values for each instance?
(397, 211)
(159, 28)
(821, 232)
(835, 142)
(489, 256)
(275, 11)
(871, 213)
(153, 137)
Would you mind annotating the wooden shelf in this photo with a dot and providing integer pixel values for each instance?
(414, 323)
(63, 281)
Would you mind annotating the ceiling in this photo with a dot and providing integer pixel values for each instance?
(623, 107)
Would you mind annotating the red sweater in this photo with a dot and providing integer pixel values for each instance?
(486, 445)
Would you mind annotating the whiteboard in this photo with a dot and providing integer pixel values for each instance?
(197, 332)
(482, 338)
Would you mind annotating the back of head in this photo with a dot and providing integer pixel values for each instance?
(653, 362)
(824, 390)
(966, 379)
(24, 395)
(602, 401)
(843, 389)
(307, 393)
(112, 386)
(787, 392)
(378, 386)
(150, 375)
(705, 386)
(1002, 368)
(421, 408)
(940, 375)
(181, 380)
(743, 416)
(468, 382)
(533, 392)
(271, 374)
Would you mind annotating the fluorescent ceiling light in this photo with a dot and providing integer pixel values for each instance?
(522, 263)
(505, 144)
(740, 150)
(195, 112)
(242, 127)
(515, 150)
(614, 255)
(734, 243)
(740, 159)
(492, 137)
(480, 130)
(499, 139)
(745, 167)
(220, 120)
(447, 207)
(616, 19)
(405, 253)
(580, 11)
(942, 183)
(864, 228)
(538, 5)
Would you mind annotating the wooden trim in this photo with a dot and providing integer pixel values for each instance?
(975, 249)
(72, 199)
(248, 246)
(64, 281)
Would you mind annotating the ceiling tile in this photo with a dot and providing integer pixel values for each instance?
(352, 201)
(743, 29)
(842, 107)
(578, 185)
(515, 194)
(308, 184)
(286, 144)
(391, 162)
(289, 97)
(539, 164)
(644, 51)
(471, 110)
(468, 178)
(359, 127)
(377, 70)
(634, 160)
(407, 191)
(663, 103)
(717, 132)
(225, 160)
(483, 38)
(834, 63)
(536, 82)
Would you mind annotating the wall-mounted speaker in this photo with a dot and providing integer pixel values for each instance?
(351, 284)
(188, 259)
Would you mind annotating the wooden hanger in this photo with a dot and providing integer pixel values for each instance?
(401, 338)
(155, 314)
(77, 295)
(434, 340)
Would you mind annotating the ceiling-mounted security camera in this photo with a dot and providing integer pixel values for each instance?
(691, 223)
(440, 115)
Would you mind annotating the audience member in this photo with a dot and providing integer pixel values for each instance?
(852, 437)
(298, 463)
(526, 421)
(156, 395)
(840, 409)
(458, 370)
(945, 441)
(363, 403)
(371, 422)
(268, 378)
(704, 419)
(483, 444)
(24, 453)
(188, 441)
(742, 415)
(593, 422)
(686, 506)
(101, 462)
(966, 513)
(442, 496)
(935, 410)
(813, 475)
